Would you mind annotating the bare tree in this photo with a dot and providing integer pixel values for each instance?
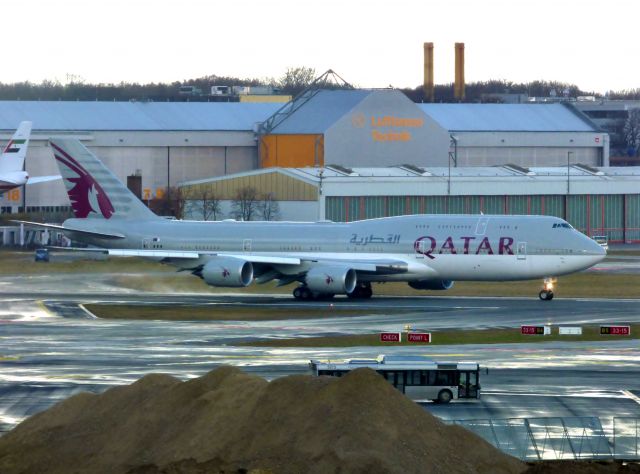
(245, 203)
(269, 207)
(632, 131)
(206, 203)
(171, 202)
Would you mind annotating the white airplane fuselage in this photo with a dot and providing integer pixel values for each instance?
(432, 247)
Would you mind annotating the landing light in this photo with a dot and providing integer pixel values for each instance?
(548, 285)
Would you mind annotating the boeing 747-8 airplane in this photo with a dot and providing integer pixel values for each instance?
(324, 258)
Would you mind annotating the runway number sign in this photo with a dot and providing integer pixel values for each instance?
(390, 337)
(535, 330)
(615, 330)
(423, 337)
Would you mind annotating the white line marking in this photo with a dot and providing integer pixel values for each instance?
(633, 397)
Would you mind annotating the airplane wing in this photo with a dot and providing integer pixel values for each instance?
(375, 265)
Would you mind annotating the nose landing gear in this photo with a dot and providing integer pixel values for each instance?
(546, 294)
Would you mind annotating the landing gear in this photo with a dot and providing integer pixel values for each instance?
(361, 291)
(546, 294)
(304, 293)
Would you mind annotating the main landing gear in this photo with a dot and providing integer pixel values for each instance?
(304, 293)
(362, 291)
(546, 294)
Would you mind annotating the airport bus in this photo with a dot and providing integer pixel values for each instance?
(416, 377)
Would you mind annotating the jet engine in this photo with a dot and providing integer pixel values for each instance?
(431, 284)
(227, 271)
(331, 280)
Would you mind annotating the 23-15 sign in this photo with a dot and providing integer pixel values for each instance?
(615, 330)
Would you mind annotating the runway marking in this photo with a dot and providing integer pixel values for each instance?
(89, 313)
(630, 395)
(604, 394)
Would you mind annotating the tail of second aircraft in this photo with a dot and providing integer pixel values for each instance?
(12, 158)
(93, 190)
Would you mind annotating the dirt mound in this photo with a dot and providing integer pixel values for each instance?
(228, 421)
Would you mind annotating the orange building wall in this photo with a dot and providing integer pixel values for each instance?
(291, 151)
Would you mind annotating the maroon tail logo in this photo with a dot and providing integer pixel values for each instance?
(86, 196)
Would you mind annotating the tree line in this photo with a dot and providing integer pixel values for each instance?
(293, 81)
(247, 205)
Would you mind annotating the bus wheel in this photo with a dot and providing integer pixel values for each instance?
(444, 396)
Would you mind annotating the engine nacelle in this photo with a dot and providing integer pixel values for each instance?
(331, 280)
(431, 284)
(227, 271)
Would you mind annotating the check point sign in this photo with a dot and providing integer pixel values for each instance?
(390, 337)
(417, 337)
(423, 337)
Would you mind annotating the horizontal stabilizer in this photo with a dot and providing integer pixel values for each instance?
(42, 179)
(60, 228)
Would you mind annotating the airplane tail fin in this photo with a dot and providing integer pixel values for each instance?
(12, 158)
(93, 190)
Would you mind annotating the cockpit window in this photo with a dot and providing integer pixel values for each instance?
(564, 225)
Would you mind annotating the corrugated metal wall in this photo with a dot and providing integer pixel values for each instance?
(284, 188)
(291, 151)
(615, 215)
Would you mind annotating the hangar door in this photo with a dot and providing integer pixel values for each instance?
(291, 151)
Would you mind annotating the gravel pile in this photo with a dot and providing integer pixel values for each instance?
(229, 421)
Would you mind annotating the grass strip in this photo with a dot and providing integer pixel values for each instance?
(447, 337)
(216, 312)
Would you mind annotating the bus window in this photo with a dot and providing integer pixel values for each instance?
(414, 377)
(444, 377)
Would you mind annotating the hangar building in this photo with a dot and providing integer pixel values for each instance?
(597, 201)
(154, 145)
(162, 143)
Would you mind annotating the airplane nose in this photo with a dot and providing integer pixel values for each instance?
(595, 248)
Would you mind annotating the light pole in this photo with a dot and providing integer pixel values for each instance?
(566, 199)
(569, 153)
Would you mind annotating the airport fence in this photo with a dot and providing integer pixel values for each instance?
(557, 438)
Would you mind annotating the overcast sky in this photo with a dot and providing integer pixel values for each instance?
(375, 43)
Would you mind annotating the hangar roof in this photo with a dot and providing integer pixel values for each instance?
(508, 117)
(408, 180)
(321, 111)
(135, 116)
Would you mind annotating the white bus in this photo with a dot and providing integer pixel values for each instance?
(414, 376)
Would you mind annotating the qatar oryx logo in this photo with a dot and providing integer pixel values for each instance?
(427, 245)
(87, 196)
(225, 273)
(328, 280)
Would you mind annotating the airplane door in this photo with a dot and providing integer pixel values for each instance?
(521, 250)
(246, 245)
(146, 243)
(481, 228)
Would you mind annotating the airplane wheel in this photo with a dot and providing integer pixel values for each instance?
(297, 293)
(305, 293)
(361, 292)
(545, 295)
